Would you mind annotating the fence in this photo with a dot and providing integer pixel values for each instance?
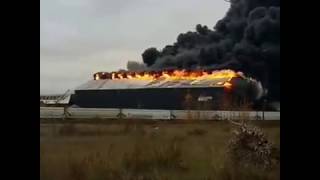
(88, 113)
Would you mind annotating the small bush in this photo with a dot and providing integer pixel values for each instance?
(249, 146)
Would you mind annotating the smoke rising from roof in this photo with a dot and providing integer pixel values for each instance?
(247, 39)
(136, 66)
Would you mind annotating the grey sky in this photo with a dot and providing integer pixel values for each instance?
(80, 37)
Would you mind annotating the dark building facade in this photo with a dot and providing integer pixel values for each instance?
(178, 95)
(159, 98)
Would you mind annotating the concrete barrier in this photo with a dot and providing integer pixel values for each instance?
(51, 112)
(92, 113)
(146, 114)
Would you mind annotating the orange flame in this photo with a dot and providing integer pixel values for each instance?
(227, 85)
(170, 75)
(194, 76)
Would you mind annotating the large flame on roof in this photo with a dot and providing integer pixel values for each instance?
(195, 76)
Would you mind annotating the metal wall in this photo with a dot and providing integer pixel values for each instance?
(165, 98)
(78, 113)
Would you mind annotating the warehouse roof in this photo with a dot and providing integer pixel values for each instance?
(57, 98)
(143, 84)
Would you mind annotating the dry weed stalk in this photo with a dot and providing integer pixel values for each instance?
(249, 146)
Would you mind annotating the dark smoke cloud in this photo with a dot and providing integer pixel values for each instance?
(136, 66)
(246, 39)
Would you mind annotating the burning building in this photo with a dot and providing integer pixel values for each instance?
(175, 89)
(246, 39)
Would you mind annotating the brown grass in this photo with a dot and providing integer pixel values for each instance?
(132, 151)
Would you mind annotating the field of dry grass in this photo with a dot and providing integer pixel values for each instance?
(145, 151)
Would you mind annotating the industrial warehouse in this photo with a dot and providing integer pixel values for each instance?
(212, 90)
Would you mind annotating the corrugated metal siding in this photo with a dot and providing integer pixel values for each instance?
(141, 84)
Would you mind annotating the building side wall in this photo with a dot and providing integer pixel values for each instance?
(166, 98)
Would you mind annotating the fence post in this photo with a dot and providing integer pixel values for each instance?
(263, 109)
(172, 116)
(120, 115)
(66, 113)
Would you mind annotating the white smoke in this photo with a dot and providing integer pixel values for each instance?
(260, 91)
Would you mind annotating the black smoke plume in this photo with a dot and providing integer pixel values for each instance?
(246, 39)
(135, 66)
